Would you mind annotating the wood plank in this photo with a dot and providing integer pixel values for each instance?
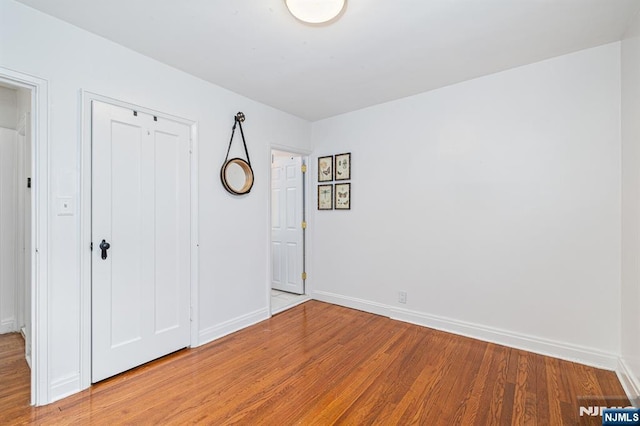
(319, 364)
(468, 412)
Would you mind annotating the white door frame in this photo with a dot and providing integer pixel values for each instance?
(39, 88)
(85, 225)
(305, 154)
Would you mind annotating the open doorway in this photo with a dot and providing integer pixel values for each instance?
(16, 254)
(32, 204)
(288, 226)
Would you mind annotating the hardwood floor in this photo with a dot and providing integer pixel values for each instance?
(319, 364)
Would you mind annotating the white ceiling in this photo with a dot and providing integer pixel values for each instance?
(379, 50)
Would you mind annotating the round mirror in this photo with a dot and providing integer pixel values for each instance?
(237, 176)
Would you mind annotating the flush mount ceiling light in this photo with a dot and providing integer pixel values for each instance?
(315, 11)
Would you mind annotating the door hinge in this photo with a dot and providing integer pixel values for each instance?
(304, 276)
(92, 246)
(304, 225)
(303, 168)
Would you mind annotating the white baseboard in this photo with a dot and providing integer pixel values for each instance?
(27, 346)
(351, 302)
(61, 388)
(562, 350)
(630, 383)
(213, 333)
(8, 326)
(566, 351)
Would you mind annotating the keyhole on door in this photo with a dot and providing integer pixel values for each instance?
(104, 246)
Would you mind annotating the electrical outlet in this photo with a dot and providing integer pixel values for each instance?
(402, 296)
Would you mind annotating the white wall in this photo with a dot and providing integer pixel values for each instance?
(234, 231)
(8, 104)
(494, 203)
(630, 365)
(8, 229)
(8, 219)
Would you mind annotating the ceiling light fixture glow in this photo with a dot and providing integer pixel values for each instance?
(315, 11)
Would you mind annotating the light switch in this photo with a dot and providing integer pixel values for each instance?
(65, 206)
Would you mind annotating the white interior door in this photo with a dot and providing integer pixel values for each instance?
(141, 208)
(24, 135)
(286, 224)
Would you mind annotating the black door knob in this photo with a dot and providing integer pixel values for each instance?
(104, 246)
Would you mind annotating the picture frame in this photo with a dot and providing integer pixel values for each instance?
(342, 166)
(325, 168)
(342, 196)
(325, 197)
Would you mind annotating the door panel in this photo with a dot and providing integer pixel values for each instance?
(126, 233)
(141, 207)
(276, 270)
(171, 236)
(286, 225)
(293, 266)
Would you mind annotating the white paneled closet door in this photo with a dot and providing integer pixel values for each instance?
(141, 212)
(287, 248)
(8, 230)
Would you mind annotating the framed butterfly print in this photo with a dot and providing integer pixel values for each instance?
(343, 196)
(342, 167)
(325, 197)
(325, 168)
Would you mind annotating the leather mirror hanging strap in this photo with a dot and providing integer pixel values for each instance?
(236, 174)
(238, 119)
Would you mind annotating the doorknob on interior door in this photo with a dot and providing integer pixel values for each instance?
(104, 246)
